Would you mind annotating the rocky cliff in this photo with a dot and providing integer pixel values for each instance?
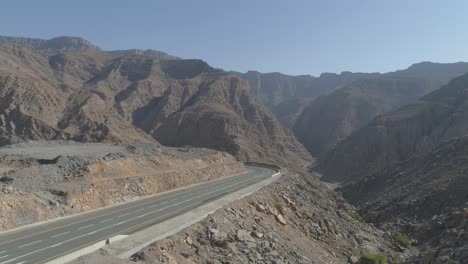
(90, 95)
(396, 136)
(331, 118)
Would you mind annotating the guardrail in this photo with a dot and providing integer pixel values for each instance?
(265, 165)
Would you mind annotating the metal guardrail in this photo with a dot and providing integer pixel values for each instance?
(264, 165)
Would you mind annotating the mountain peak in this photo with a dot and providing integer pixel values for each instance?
(58, 44)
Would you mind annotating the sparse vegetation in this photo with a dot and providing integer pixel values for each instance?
(401, 238)
(373, 258)
(6, 179)
(356, 216)
(396, 259)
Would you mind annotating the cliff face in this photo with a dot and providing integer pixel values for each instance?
(394, 137)
(331, 118)
(95, 96)
(274, 88)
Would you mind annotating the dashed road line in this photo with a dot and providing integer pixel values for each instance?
(35, 242)
(61, 234)
(83, 227)
(107, 220)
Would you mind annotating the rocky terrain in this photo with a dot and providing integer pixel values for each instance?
(426, 197)
(274, 88)
(394, 137)
(331, 118)
(44, 180)
(406, 172)
(85, 94)
(286, 95)
(295, 220)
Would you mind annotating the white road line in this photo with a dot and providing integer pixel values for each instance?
(83, 227)
(107, 220)
(58, 244)
(25, 245)
(205, 194)
(22, 262)
(140, 210)
(64, 233)
(1, 252)
(122, 215)
(4, 256)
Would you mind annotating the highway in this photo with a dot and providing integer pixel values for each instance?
(50, 240)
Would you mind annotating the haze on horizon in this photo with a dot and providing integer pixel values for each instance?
(292, 37)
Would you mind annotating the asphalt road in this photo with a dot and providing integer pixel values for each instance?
(51, 240)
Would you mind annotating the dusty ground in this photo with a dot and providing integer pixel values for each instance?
(44, 180)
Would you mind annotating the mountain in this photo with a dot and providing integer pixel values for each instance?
(54, 45)
(92, 95)
(394, 137)
(331, 118)
(150, 53)
(289, 110)
(425, 197)
(287, 95)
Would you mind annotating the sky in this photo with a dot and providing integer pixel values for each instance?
(293, 37)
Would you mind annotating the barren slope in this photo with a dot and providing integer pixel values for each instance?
(396, 136)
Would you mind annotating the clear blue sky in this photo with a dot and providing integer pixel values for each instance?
(294, 36)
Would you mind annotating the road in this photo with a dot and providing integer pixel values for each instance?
(50, 240)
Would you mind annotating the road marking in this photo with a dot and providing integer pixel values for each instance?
(83, 227)
(1, 252)
(64, 233)
(58, 244)
(107, 220)
(132, 227)
(22, 262)
(122, 215)
(151, 200)
(4, 256)
(25, 245)
(140, 210)
(236, 182)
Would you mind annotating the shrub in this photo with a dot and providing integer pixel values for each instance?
(373, 258)
(6, 179)
(356, 216)
(401, 239)
(396, 259)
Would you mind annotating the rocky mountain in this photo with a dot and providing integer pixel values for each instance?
(92, 95)
(395, 137)
(287, 95)
(274, 88)
(147, 53)
(50, 45)
(425, 196)
(331, 118)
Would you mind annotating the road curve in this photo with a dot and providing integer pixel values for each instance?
(50, 240)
